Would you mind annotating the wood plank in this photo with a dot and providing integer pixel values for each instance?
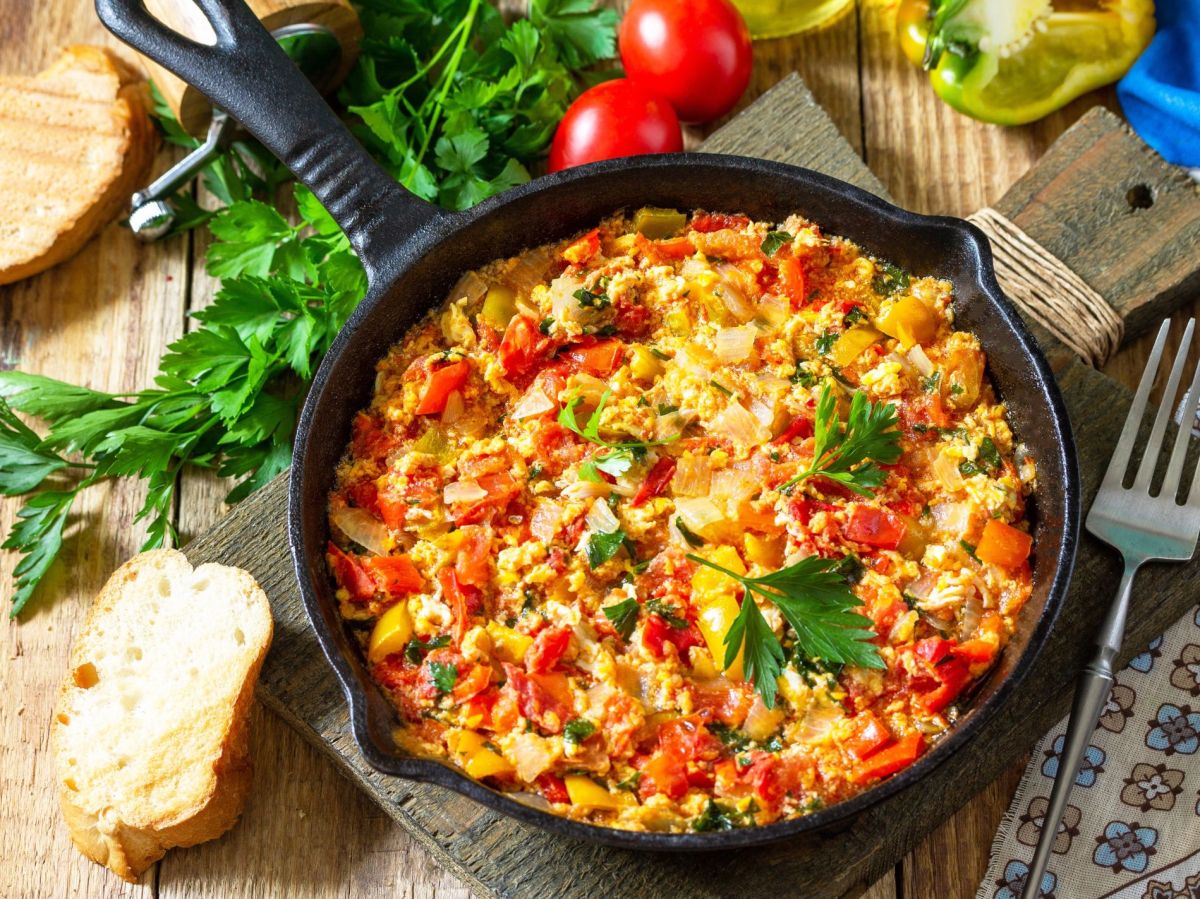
(128, 294)
(500, 857)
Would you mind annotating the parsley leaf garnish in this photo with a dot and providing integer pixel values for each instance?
(617, 458)
(601, 547)
(667, 613)
(826, 341)
(443, 675)
(890, 279)
(816, 602)
(623, 616)
(417, 648)
(717, 817)
(847, 454)
(774, 241)
(590, 300)
(576, 731)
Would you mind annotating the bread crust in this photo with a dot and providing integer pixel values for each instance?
(96, 96)
(129, 835)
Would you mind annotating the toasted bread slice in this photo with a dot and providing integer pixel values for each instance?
(150, 737)
(75, 142)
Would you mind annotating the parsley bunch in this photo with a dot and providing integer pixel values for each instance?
(617, 458)
(455, 104)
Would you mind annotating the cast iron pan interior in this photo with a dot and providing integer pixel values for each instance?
(413, 254)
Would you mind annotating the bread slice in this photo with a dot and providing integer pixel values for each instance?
(150, 736)
(75, 142)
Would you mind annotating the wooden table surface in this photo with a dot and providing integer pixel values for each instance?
(104, 318)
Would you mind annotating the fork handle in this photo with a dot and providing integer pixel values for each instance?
(1091, 695)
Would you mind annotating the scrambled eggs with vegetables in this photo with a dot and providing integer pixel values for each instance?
(688, 523)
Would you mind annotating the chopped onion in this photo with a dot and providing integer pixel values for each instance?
(819, 722)
(732, 292)
(735, 344)
(544, 522)
(698, 512)
(670, 426)
(972, 612)
(766, 412)
(600, 517)
(586, 489)
(736, 423)
(533, 402)
(761, 721)
(941, 624)
(773, 311)
(563, 302)
(735, 485)
(470, 286)
(922, 587)
(696, 360)
(529, 270)
(463, 492)
(365, 530)
(693, 475)
(454, 408)
(532, 755)
(946, 470)
(953, 518)
(587, 386)
(918, 358)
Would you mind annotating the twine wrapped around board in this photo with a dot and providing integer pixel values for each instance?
(1049, 292)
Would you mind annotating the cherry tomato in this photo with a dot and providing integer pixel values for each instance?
(613, 119)
(694, 53)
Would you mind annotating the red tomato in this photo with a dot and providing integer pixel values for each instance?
(522, 347)
(439, 384)
(875, 527)
(900, 755)
(600, 359)
(554, 788)
(869, 735)
(350, 573)
(547, 649)
(614, 119)
(694, 53)
(395, 575)
(535, 701)
(656, 481)
(656, 632)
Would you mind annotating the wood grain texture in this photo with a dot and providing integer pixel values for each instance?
(470, 838)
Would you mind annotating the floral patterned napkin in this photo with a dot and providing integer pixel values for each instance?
(1132, 828)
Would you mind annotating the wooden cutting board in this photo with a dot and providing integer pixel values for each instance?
(1086, 201)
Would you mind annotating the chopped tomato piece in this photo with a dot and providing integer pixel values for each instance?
(1003, 545)
(932, 649)
(888, 761)
(875, 527)
(976, 652)
(350, 573)
(584, 248)
(395, 575)
(536, 700)
(501, 490)
(523, 347)
(792, 282)
(869, 735)
(473, 682)
(675, 248)
(763, 776)
(953, 676)
(547, 649)
(369, 441)
(656, 632)
(798, 428)
(553, 787)
(936, 409)
(472, 564)
(600, 358)
(464, 600)
(755, 519)
(656, 481)
(728, 704)
(439, 384)
(663, 775)
(364, 495)
(630, 318)
(706, 222)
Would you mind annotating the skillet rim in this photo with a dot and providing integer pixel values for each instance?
(444, 225)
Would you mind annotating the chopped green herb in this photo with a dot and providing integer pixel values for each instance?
(854, 316)
(717, 817)
(826, 341)
(930, 384)
(602, 547)
(444, 676)
(575, 732)
(631, 782)
(606, 331)
(694, 540)
(591, 300)
(668, 613)
(890, 279)
(774, 241)
(623, 616)
(666, 408)
(969, 548)
(989, 454)
(850, 567)
(618, 458)
(642, 401)
(730, 736)
(659, 354)
(535, 471)
(774, 744)
(815, 804)
(956, 389)
(416, 648)
(968, 468)
(803, 376)
(909, 600)
(721, 387)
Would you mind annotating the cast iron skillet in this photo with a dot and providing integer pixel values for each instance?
(413, 253)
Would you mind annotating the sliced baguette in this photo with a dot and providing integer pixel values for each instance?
(150, 736)
(75, 142)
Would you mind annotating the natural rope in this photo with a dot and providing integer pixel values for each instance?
(1052, 294)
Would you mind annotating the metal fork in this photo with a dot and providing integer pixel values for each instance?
(1142, 526)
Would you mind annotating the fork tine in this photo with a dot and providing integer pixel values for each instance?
(1115, 476)
(1154, 444)
(1179, 452)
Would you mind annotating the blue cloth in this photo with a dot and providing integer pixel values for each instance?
(1161, 93)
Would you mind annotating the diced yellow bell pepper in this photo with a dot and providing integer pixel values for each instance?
(478, 760)
(714, 594)
(909, 320)
(391, 633)
(586, 793)
(679, 322)
(508, 644)
(499, 306)
(702, 664)
(766, 551)
(852, 343)
(643, 364)
(658, 224)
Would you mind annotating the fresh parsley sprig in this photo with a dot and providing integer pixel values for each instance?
(848, 453)
(818, 604)
(617, 458)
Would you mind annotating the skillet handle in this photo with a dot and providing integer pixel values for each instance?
(248, 75)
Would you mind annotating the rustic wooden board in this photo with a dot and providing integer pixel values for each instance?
(499, 857)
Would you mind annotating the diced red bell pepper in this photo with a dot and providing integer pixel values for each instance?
(600, 358)
(675, 248)
(656, 632)
(439, 384)
(869, 735)
(657, 479)
(953, 676)
(903, 753)
(553, 787)
(464, 600)
(583, 249)
(707, 222)
(395, 575)
(350, 574)
(799, 427)
(472, 682)
(547, 649)
(522, 348)
(792, 282)
(1003, 545)
(875, 527)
